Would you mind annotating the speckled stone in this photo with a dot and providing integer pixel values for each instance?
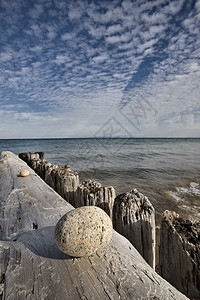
(24, 173)
(83, 230)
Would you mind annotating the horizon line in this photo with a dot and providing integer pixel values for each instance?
(108, 138)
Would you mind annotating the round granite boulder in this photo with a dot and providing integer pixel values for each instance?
(83, 230)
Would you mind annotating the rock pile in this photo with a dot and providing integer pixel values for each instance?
(134, 218)
(179, 258)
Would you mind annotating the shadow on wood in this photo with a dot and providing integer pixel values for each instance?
(42, 243)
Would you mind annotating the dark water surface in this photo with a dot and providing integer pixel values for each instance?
(165, 170)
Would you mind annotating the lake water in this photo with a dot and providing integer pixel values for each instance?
(167, 171)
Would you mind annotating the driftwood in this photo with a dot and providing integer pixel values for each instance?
(90, 192)
(31, 265)
(179, 260)
(62, 179)
(134, 218)
(66, 183)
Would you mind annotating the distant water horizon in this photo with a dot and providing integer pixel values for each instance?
(102, 137)
(166, 170)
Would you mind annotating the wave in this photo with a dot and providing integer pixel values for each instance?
(187, 199)
(193, 190)
(182, 192)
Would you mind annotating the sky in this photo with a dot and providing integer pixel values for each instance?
(90, 68)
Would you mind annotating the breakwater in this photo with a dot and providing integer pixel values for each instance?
(66, 183)
(133, 216)
(32, 266)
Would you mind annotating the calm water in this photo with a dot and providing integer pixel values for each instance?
(165, 170)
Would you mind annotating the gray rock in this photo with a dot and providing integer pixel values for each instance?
(179, 258)
(134, 218)
(83, 230)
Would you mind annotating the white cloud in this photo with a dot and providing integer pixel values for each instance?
(173, 7)
(75, 11)
(36, 11)
(66, 36)
(197, 5)
(152, 32)
(101, 58)
(83, 61)
(4, 56)
(155, 18)
(36, 30)
(61, 59)
(37, 48)
(126, 37)
(51, 33)
(127, 6)
(114, 28)
(146, 45)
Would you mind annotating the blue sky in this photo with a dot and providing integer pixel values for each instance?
(99, 68)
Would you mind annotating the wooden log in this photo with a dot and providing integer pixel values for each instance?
(31, 265)
(62, 179)
(134, 218)
(66, 183)
(90, 192)
(179, 258)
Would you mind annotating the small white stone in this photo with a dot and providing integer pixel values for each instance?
(83, 230)
(24, 173)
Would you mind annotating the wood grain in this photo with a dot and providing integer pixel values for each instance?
(31, 265)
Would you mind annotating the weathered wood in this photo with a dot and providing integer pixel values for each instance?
(62, 179)
(90, 192)
(134, 218)
(31, 265)
(66, 183)
(179, 259)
